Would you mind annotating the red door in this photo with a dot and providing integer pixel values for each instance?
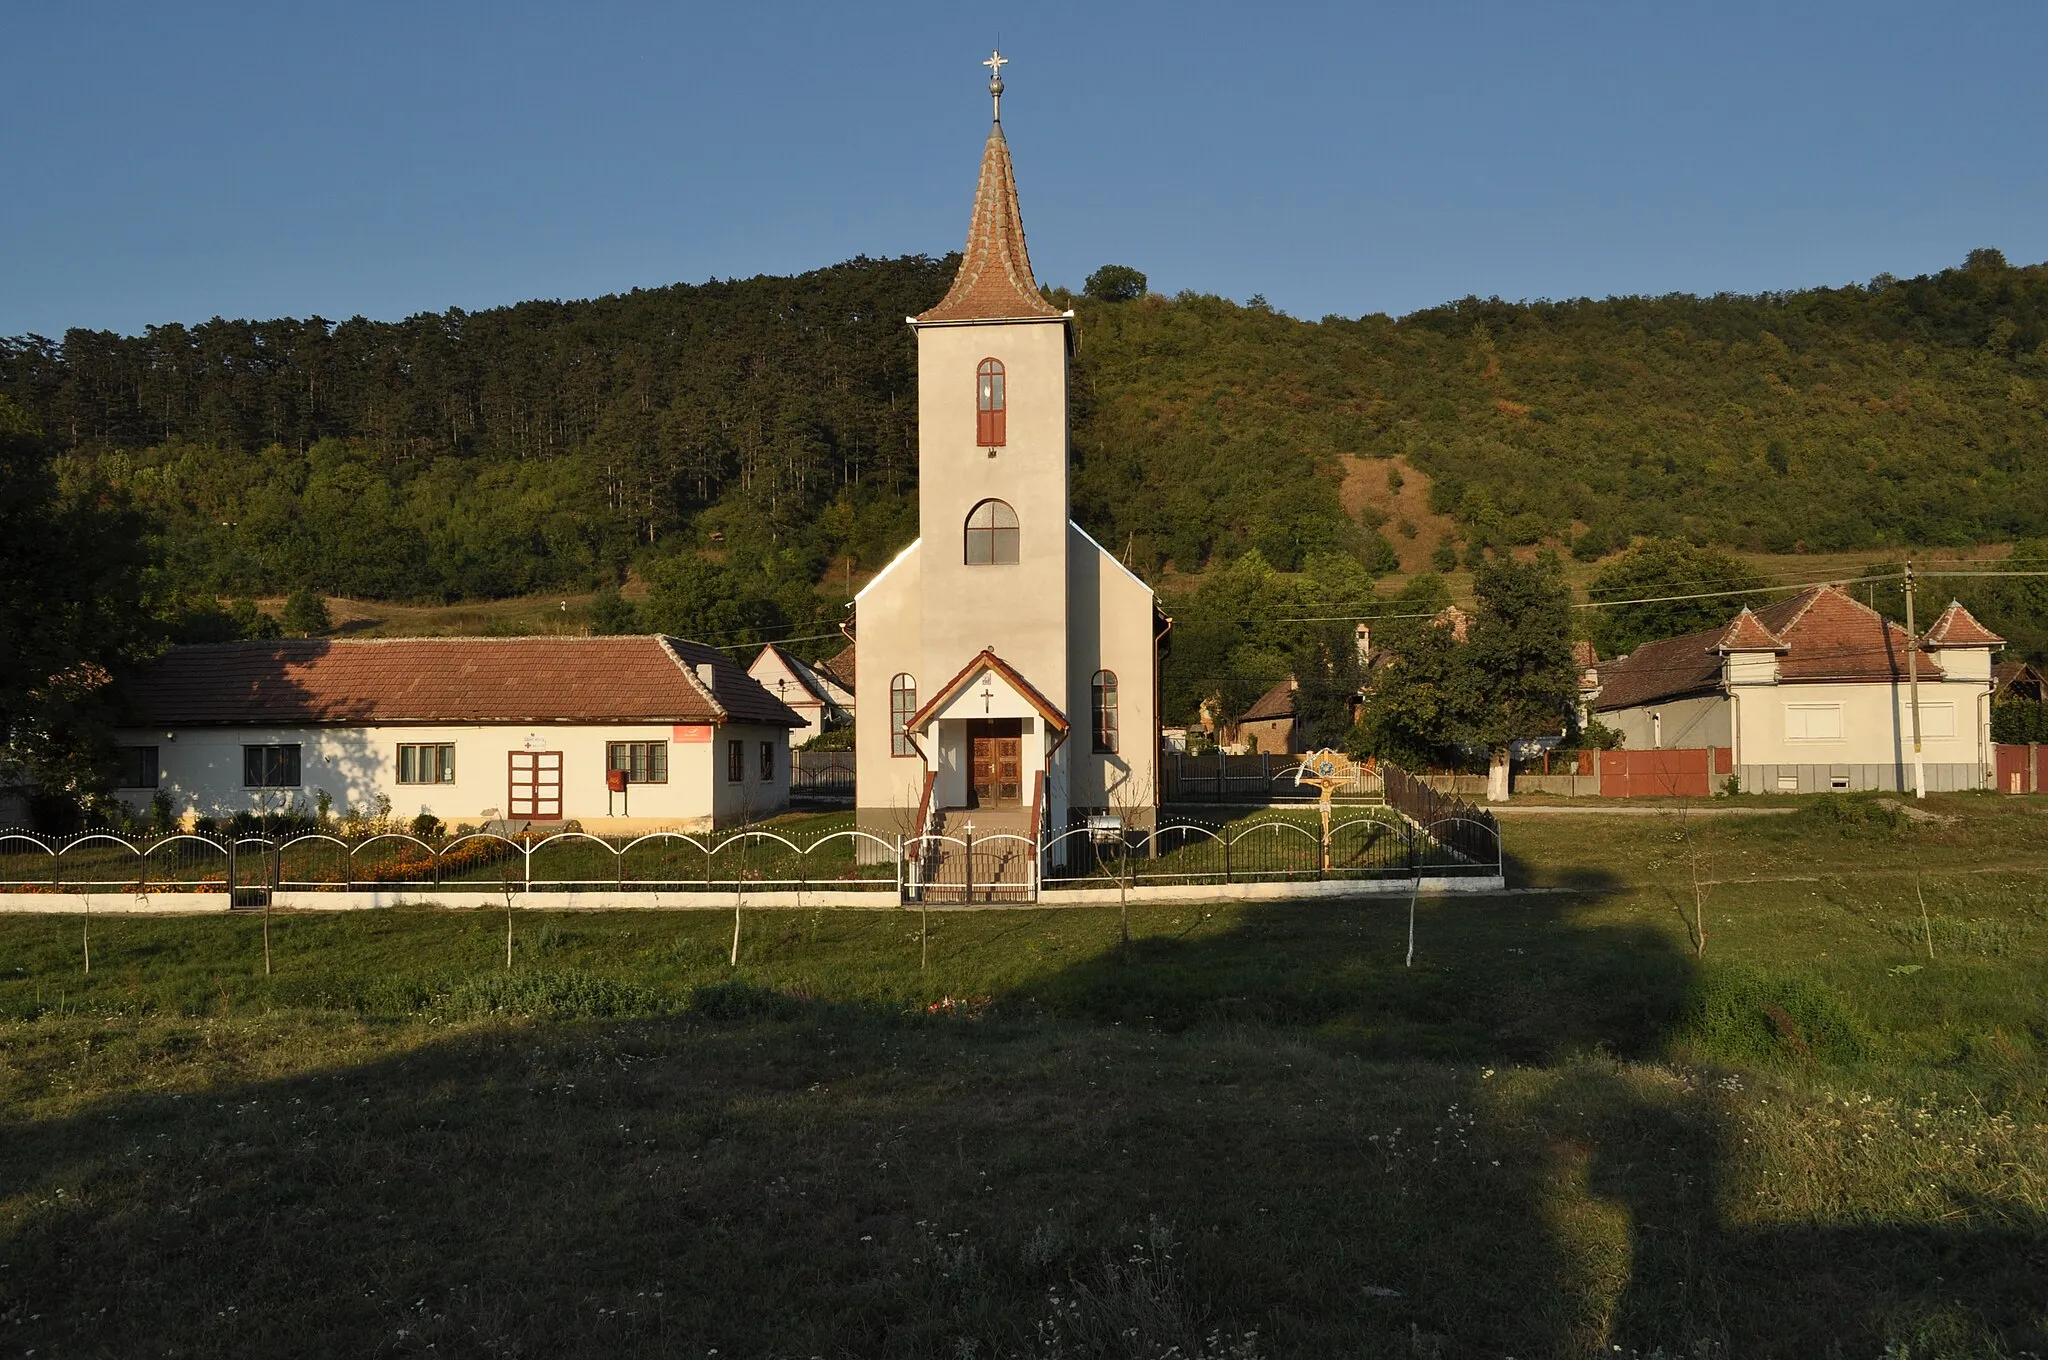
(536, 786)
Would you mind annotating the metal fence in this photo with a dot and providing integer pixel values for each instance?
(1363, 844)
(1219, 778)
(1277, 846)
(480, 862)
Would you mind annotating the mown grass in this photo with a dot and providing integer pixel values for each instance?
(1251, 1132)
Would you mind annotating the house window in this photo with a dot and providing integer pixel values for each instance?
(426, 764)
(1104, 705)
(270, 767)
(1813, 722)
(902, 704)
(992, 535)
(1936, 720)
(988, 404)
(767, 761)
(735, 761)
(645, 762)
(137, 769)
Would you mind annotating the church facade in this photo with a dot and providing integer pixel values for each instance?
(1011, 661)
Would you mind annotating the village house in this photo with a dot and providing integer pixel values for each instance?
(813, 692)
(1814, 693)
(1267, 727)
(618, 733)
(1018, 656)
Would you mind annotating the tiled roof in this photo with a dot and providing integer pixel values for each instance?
(479, 680)
(1669, 668)
(995, 282)
(1822, 633)
(1831, 636)
(1957, 627)
(1747, 634)
(813, 687)
(1277, 702)
(840, 668)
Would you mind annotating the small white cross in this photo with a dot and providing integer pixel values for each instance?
(996, 62)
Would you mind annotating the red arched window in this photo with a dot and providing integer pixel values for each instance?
(992, 534)
(988, 404)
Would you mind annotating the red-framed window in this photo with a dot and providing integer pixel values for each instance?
(988, 404)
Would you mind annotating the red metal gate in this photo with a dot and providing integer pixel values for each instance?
(2019, 768)
(1682, 773)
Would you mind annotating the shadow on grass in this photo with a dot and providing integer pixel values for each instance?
(1270, 1140)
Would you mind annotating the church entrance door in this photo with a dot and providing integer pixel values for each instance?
(995, 762)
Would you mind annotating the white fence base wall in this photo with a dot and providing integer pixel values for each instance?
(118, 903)
(190, 904)
(1267, 892)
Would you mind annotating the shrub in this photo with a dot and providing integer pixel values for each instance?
(1739, 1015)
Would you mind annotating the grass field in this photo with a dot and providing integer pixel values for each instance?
(1252, 1132)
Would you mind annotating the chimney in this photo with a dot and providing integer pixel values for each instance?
(1364, 633)
(705, 674)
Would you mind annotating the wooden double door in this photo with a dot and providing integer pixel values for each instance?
(995, 762)
(536, 786)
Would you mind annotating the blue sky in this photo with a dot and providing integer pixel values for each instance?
(175, 162)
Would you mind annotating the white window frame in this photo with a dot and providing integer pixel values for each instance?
(1945, 710)
(1815, 708)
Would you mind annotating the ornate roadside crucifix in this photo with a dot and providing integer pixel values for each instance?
(1328, 771)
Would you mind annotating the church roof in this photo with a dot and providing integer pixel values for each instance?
(995, 282)
(987, 659)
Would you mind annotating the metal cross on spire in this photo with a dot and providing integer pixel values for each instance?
(995, 63)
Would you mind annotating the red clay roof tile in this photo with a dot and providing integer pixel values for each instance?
(1957, 627)
(466, 680)
(995, 282)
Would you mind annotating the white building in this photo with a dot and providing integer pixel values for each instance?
(467, 729)
(813, 692)
(1815, 693)
(1011, 658)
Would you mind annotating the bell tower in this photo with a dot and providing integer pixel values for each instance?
(992, 447)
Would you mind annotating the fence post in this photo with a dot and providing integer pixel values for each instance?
(968, 857)
(899, 870)
(1219, 772)
(526, 849)
(1226, 852)
(618, 868)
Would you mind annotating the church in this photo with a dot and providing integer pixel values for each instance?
(1019, 659)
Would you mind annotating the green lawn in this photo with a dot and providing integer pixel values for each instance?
(1251, 1132)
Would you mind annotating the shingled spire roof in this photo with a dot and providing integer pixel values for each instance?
(995, 282)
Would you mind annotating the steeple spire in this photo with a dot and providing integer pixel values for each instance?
(995, 282)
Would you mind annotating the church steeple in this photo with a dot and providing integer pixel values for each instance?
(995, 282)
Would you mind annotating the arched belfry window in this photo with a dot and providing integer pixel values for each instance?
(1103, 703)
(992, 535)
(902, 706)
(988, 404)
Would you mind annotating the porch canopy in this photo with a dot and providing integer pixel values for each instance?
(988, 733)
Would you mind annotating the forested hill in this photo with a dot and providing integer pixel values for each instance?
(773, 421)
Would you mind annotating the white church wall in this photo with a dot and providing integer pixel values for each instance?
(1112, 619)
(1021, 609)
(891, 641)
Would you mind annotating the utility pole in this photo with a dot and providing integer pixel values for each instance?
(1913, 688)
